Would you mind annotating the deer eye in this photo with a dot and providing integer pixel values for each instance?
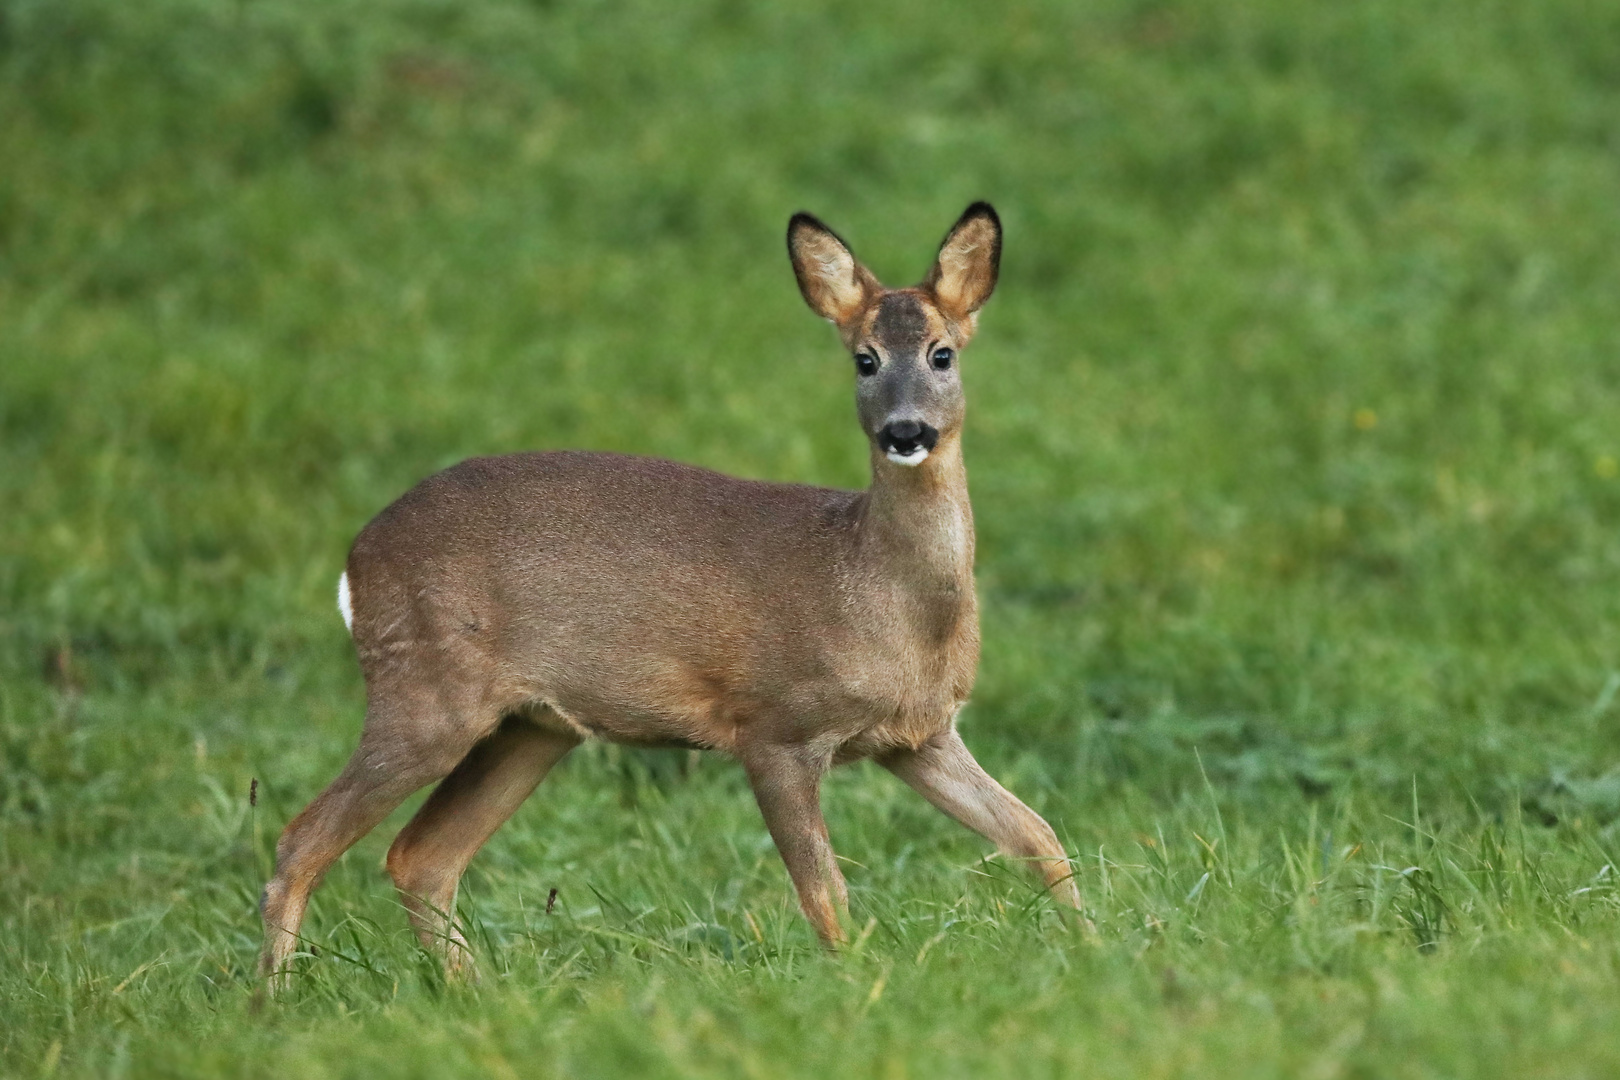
(866, 363)
(942, 359)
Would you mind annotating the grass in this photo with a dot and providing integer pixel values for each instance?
(1293, 442)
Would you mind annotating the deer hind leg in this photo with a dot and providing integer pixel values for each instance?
(945, 773)
(430, 854)
(406, 744)
(787, 786)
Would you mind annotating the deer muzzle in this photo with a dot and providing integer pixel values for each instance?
(907, 442)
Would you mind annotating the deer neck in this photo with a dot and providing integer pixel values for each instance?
(916, 527)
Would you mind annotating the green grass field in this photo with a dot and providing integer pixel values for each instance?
(1294, 432)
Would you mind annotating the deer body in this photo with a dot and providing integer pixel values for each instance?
(509, 608)
(647, 602)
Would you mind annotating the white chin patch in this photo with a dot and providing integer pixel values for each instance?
(913, 458)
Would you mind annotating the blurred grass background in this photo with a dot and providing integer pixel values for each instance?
(1293, 437)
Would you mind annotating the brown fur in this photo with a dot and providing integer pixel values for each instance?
(510, 607)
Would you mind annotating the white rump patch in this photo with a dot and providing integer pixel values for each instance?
(914, 458)
(343, 601)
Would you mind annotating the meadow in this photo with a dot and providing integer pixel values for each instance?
(1294, 442)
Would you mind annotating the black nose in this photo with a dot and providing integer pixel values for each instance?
(905, 436)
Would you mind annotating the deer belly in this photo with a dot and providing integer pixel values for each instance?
(655, 704)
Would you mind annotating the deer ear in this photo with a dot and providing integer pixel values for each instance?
(834, 285)
(964, 274)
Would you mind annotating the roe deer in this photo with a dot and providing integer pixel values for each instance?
(509, 608)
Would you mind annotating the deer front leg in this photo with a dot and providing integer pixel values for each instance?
(787, 784)
(945, 773)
